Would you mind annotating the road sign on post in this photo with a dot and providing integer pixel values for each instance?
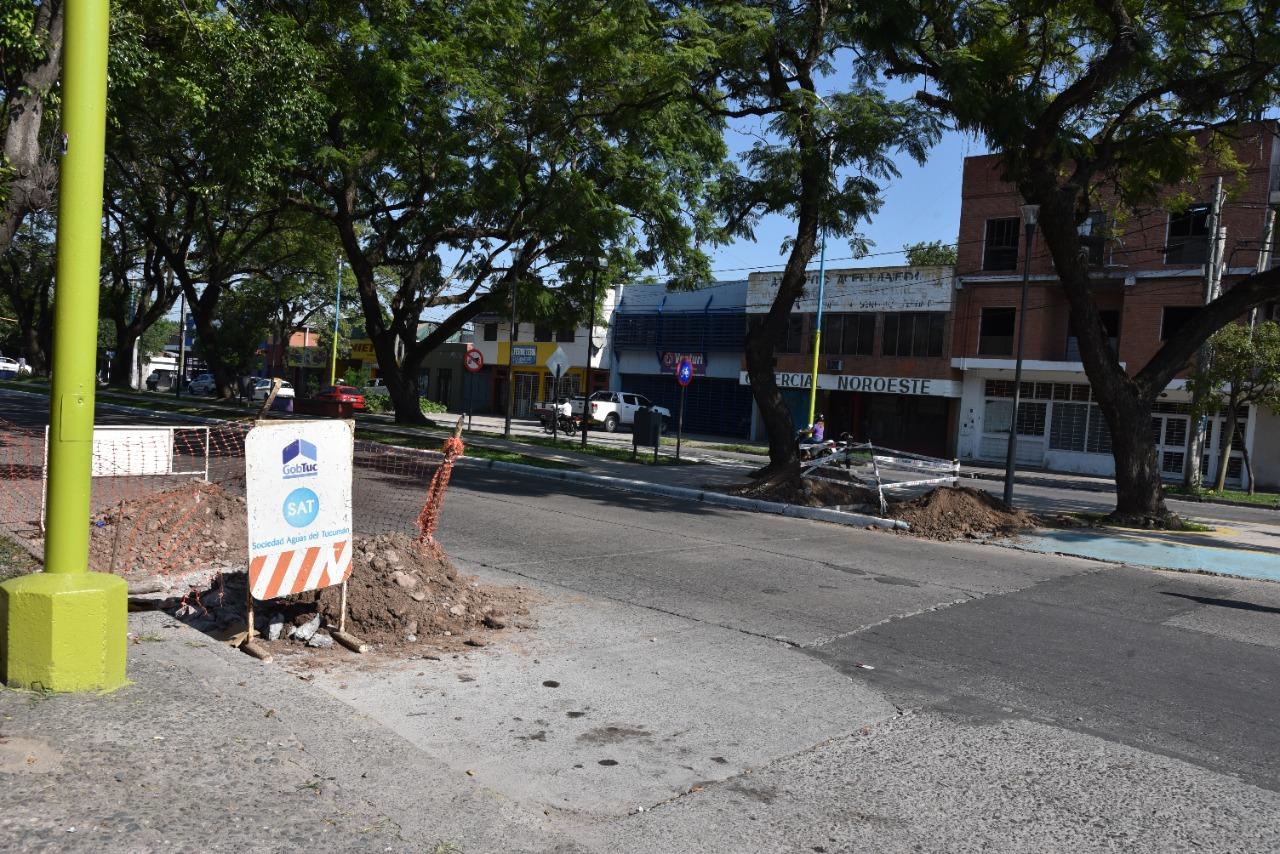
(473, 361)
(684, 375)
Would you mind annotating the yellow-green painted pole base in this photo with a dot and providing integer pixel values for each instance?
(63, 631)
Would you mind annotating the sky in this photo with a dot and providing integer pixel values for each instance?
(922, 205)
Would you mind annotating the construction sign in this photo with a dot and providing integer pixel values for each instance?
(298, 496)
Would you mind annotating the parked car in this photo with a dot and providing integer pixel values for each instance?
(615, 409)
(12, 367)
(160, 380)
(203, 384)
(375, 386)
(262, 387)
(343, 394)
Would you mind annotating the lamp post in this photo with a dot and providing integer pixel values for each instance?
(64, 628)
(337, 313)
(817, 328)
(1029, 215)
(511, 367)
(601, 263)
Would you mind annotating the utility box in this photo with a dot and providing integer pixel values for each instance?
(646, 431)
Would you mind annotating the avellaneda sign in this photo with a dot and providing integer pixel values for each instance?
(872, 385)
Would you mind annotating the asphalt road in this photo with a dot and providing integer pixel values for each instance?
(1183, 665)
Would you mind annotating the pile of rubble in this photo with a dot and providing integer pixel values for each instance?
(400, 598)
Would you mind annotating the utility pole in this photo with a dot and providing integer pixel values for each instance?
(1264, 257)
(64, 628)
(1030, 213)
(601, 263)
(511, 366)
(1192, 477)
(337, 313)
(182, 345)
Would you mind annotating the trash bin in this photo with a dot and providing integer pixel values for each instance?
(646, 430)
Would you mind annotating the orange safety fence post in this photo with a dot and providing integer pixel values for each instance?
(430, 515)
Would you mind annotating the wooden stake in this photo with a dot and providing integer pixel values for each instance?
(339, 634)
(249, 645)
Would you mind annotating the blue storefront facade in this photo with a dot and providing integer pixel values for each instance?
(652, 328)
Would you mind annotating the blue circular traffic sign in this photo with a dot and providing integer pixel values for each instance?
(684, 372)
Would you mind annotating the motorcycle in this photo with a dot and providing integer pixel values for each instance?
(812, 450)
(565, 420)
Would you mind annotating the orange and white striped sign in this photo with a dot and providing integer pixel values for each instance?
(284, 573)
(298, 502)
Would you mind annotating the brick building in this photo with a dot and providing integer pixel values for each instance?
(1148, 270)
(884, 373)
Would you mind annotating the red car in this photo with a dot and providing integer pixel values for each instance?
(343, 394)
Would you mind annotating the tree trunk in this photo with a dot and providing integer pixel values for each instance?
(122, 364)
(1248, 465)
(34, 347)
(778, 426)
(401, 378)
(1139, 489)
(1125, 403)
(30, 188)
(1225, 438)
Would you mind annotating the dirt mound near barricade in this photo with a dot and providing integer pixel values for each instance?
(401, 599)
(196, 525)
(808, 492)
(399, 596)
(960, 512)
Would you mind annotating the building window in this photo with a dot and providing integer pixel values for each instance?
(914, 333)
(1000, 248)
(848, 334)
(1188, 241)
(541, 332)
(793, 338)
(995, 331)
(1110, 322)
(565, 336)
(1094, 232)
(1174, 318)
(491, 332)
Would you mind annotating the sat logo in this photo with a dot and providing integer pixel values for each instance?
(299, 460)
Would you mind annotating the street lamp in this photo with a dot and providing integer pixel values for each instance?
(1029, 215)
(602, 264)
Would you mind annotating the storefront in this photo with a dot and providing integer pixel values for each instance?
(1061, 428)
(913, 414)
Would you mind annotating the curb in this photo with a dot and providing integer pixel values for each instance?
(1085, 487)
(795, 511)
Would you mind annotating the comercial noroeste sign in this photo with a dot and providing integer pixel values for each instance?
(862, 289)
(298, 497)
(871, 385)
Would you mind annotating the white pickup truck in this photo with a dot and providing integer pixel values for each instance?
(616, 409)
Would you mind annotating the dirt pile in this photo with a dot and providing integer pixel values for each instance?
(809, 492)
(401, 596)
(400, 599)
(196, 525)
(957, 512)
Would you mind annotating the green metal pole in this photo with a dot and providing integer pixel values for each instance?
(64, 629)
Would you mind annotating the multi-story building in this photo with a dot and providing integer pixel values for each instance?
(653, 328)
(1148, 275)
(534, 343)
(885, 372)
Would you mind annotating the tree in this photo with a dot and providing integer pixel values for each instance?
(138, 289)
(771, 58)
(932, 254)
(30, 59)
(1087, 100)
(207, 203)
(26, 281)
(470, 148)
(1244, 371)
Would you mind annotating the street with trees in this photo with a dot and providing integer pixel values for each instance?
(1086, 100)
